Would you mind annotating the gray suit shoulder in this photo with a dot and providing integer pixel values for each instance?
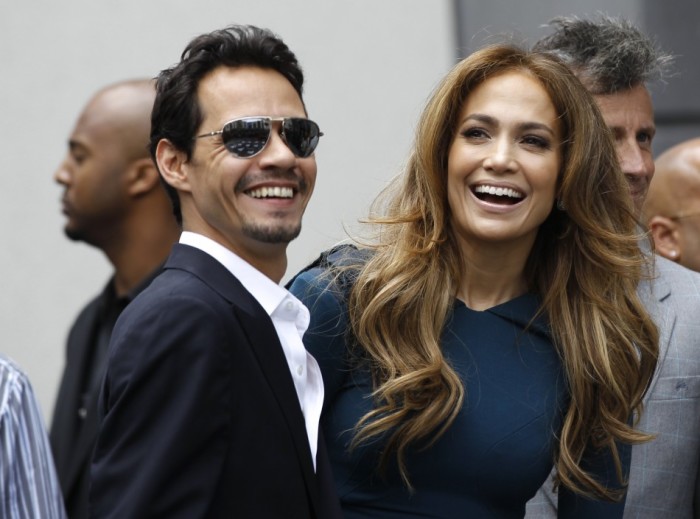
(681, 278)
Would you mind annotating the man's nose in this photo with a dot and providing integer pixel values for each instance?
(277, 153)
(62, 175)
(634, 161)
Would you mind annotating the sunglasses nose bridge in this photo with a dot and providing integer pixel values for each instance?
(277, 148)
(283, 135)
(277, 127)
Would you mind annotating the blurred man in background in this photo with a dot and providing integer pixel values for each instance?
(113, 200)
(616, 61)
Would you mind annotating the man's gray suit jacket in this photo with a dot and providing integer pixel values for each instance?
(663, 473)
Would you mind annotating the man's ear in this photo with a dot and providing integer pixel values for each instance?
(666, 234)
(142, 176)
(172, 164)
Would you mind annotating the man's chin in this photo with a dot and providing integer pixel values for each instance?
(273, 234)
(78, 235)
(73, 234)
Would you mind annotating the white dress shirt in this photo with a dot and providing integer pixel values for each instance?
(290, 318)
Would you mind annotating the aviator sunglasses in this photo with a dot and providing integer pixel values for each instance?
(248, 136)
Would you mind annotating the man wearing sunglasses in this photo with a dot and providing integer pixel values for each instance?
(210, 405)
(672, 205)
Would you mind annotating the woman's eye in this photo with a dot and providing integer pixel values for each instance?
(474, 133)
(537, 142)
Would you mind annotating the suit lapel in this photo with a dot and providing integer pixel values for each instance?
(655, 294)
(268, 350)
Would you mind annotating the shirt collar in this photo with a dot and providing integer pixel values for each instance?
(268, 293)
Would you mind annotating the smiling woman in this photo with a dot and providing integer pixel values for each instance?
(488, 334)
(502, 171)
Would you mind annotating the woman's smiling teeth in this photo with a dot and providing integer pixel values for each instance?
(498, 195)
(272, 192)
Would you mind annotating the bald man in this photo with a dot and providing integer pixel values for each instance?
(114, 201)
(672, 206)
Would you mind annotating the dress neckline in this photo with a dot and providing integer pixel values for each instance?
(519, 310)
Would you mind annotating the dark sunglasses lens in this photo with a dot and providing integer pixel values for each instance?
(301, 135)
(246, 137)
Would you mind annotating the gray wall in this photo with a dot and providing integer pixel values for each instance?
(368, 74)
(676, 28)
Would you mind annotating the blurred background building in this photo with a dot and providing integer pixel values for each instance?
(674, 25)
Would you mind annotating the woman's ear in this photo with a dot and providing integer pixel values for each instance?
(666, 234)
(172, 164)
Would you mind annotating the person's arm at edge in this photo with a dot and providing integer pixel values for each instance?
(28, 481)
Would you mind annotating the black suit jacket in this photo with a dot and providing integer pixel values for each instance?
(199, 415)
(71, 441)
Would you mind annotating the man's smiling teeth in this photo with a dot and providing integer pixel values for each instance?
(498, 191)
(272, 192)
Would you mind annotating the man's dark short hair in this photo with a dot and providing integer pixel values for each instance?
(608, 55)
(176, 112)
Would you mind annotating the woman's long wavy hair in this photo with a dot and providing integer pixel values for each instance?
(585, 266)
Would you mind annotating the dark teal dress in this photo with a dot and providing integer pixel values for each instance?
(498, 451)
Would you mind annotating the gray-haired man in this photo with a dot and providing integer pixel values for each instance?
(615, 61)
